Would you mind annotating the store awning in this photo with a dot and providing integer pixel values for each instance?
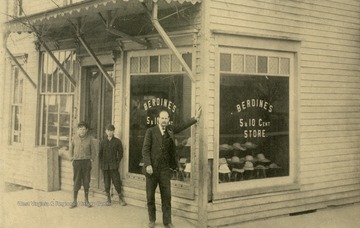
(58, 16)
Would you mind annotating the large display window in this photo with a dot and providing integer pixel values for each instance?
(255, 118)
(157, 82)
(56, 100)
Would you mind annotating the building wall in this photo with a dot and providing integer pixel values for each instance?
(18, 169)
(328, 111)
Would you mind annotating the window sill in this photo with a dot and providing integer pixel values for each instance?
(178, 188)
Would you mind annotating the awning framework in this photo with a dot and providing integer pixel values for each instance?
(168, 42)
(83, 8)
(62, 16)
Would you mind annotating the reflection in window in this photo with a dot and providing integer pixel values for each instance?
(149, 94)
(254, 121)
(56, 100)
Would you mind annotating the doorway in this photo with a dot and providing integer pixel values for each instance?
(97, 110)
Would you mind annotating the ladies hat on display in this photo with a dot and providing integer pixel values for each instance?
(248, 165)
(250, 145)
(237, 146)
(235, 159)
(225, 147)
(249, 158)
(261, 158)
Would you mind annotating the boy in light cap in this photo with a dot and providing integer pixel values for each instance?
(110, 155)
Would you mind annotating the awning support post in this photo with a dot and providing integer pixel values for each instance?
(13, 58)
(168, 42)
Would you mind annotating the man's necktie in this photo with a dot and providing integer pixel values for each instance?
(163, 130)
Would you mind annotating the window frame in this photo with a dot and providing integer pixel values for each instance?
(179, 188)
(260, 47)
(14, 105)
(45, 94)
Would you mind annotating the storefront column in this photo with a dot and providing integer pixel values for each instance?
(203, 145)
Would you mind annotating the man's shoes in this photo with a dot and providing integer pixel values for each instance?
(87, 204)
(108, 202)
(151, 224)
(73, 205)
(169, 225)
(121, 200)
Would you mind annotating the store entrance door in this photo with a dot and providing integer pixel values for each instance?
(97, 106)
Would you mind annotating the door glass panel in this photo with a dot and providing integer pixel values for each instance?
(98, 100)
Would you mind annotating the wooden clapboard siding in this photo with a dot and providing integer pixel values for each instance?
(18, 167)
(236, 219)
(66, 175)
(329, 92)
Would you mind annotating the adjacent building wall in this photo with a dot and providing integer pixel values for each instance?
(18, 158)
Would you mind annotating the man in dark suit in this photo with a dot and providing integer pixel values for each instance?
(159, 156)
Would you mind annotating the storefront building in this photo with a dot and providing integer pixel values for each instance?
(278, 83)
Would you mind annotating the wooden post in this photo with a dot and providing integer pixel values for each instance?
(203, 146)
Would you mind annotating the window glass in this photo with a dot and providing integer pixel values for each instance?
(16, 109)
(149, 95)
(254, 121)
(56, 100)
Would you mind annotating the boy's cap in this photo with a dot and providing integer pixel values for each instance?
(110, 127)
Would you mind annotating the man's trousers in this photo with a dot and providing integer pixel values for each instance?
(161, 178)
(82, 172)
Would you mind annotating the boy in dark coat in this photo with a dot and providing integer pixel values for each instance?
(110, 155)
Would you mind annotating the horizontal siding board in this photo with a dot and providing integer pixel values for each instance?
(330, 121)
(343, 109)
(323, 49)
(320, 65)
(323, 56)
(327, 134)
(256, 20)
(283, 204)
(327, 146)
(237, 219)
(331, 96)
(331, 103)
(329, 165)
(343, 141)
(263, 200)
(326, 178)
(355, 158)
(325, 13)
(331, 72)
(331, 184)
(324, 46)
(347, 115)
(262, 28)
(311, 174)
(322, 128)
